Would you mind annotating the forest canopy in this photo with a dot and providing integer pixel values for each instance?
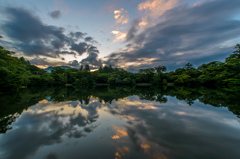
(18, 72)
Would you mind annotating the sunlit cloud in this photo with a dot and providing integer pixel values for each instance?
(173, 22)
(121, 16)
(154, 8)
(117, 16)
(179, 53)
(119, 36)
(115, 32)
(157, 7)
(143, 23)
(117, 11)
(122, 63)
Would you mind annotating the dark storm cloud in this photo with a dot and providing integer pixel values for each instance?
(34, 38)
(55, 14)
(77, 35)
(185, 34)
(88, 39)
(31, 35)
(74, 63)
(92, 60)
(80, 48)
(93, 49)
(67, 53)
(132, 31)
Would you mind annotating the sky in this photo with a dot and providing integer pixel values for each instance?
(128, 34)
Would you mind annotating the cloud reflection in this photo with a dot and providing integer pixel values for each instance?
(132, 127)
(119, 132)
(47, 124)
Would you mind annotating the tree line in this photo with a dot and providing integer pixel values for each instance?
(17, 72)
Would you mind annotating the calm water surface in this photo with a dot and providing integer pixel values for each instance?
(116, 123)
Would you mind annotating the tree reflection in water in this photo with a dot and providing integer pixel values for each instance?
(157, 124)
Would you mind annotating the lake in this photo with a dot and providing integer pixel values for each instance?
(120, 122)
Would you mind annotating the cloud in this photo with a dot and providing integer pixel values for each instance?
(115, 32)
(143, 23)
(34, 38)
(92, 60)
(88, 39)
(55, 14)
(44, 62)
(74, 63)
(91, 40)
(80, 47)
(93, 49)
(58, 126)
(155, 8)
(39, 61)
(133, 29)
(77, 35)
(67, 52)
(31, 36)
(183, 34)
(121, 16)
(119, 36)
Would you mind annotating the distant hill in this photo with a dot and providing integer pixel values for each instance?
(49, 69)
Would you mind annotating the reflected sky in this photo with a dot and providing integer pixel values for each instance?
(126, 128)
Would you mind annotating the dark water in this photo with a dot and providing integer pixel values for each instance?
(115, 123)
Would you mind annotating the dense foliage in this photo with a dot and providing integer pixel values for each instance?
(17, 72)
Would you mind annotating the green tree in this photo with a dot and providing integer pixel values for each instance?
(160, 69)
(87, 68)
(188, 66)
(235, 54)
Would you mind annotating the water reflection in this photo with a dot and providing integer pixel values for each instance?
(119, 123)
